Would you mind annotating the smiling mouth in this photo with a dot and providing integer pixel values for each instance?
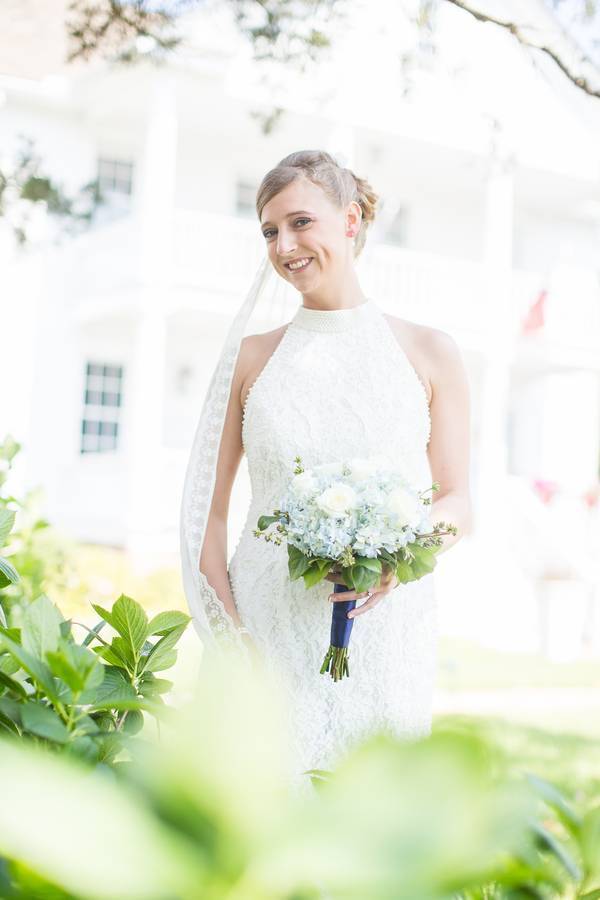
(299, 268)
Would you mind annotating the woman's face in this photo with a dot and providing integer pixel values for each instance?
(300, 223)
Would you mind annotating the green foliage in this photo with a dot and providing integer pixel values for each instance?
(84, 699)
(23, 183)
(206, 812)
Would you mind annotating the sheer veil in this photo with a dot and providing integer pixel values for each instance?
(269, 303)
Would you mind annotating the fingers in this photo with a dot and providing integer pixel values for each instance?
(371, 602)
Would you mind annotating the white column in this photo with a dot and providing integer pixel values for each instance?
(146, 382)
(498, 239)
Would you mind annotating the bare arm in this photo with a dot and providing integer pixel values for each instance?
(213, 559)
(449, 444)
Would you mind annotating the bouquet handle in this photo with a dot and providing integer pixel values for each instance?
(336, 658)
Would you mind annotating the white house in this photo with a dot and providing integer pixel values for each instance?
(490, 185)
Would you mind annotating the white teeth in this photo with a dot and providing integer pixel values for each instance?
(300, 264)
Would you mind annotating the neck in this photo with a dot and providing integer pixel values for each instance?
(344, 293)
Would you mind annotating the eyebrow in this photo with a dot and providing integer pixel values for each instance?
(297, 212)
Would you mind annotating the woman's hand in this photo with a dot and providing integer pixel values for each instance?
(386, 585)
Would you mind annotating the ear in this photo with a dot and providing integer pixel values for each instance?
(353, 217)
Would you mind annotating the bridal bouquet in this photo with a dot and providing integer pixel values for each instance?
(354, 519)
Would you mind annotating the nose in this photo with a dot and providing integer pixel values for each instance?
(285, 242)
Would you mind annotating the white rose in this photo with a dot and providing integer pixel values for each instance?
(405, 505)
(337, 499)
(303, 483)
(361, 469)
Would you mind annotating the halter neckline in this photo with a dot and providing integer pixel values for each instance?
(332, 319)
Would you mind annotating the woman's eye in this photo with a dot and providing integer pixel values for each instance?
(299, 222)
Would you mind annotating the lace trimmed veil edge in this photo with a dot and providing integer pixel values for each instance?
(211, 620)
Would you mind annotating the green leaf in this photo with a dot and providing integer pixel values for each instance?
(43, 721)
(8, 725)
(7, 520)
(298, 562)
(78, 667)
(123, 649)
(114, 688)
(404, 572)
(8, 573)
(104, 614)
(166, 660)
(553, 846)
(109, 655)
(134, 721)
(92, 634)
(87, 725)
(150, 685)
(166, 621)
(11, 684)
(38, 670)
(424, 561)
(40, 630)
(369, 562)
(556, 801)
(313, 574)
(362, 578)
(264, 522)
(161, 655)
(130, 620)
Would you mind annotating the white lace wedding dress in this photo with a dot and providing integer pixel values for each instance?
(338, 384)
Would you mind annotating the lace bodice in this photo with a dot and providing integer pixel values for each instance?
(338, 384)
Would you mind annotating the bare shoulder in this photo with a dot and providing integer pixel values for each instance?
(432, 348)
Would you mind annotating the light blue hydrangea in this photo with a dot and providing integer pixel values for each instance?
(365, 504)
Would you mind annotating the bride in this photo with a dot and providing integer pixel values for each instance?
(340, 379)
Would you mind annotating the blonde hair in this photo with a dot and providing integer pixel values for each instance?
(339, 184)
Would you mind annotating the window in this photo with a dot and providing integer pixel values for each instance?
(115, 176)
(101, 407)
(245, 198)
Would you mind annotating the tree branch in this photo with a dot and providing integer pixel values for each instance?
(578, 80)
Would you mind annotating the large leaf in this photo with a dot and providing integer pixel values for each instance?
(109, 655)
(424, 560)
(313, 574)
(7, 724)
(298, 562)
(104, 614)
(369, 562)
(7, 519)
(161, 656)
(40, 630)
(11, 684)
(43, 721)
(78, 667)
(38, 670)
(119, 850)
(404, 572)
(114, 685)
(130, 620)
(363, 578)
(166, 621)
(8, 573)
(556, 801)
